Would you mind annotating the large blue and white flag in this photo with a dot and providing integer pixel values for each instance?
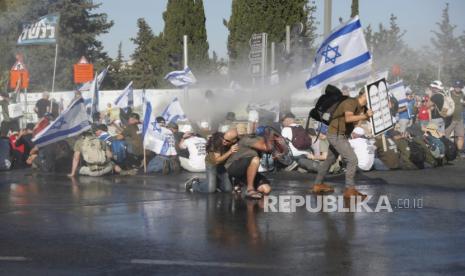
(72, 122)
(398, 90)
(88, 85)
(158, 139)
(126, 99)
(173, 112)
(181, 78)
(344, 53)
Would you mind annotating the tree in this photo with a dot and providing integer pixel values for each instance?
(143, 72)
(272, 18)
(186, 17)
(77, 36)
(118, 76)
(446, 49)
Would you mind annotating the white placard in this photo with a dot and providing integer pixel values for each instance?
(378, 102)
(15, 110)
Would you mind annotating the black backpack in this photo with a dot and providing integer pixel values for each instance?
(417, 154)
(300, 138)
(450, 152)
(327, 104)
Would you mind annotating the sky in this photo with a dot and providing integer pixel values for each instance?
(417, 17)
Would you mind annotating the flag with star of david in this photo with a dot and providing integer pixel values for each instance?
(71, 122)
(343, 54)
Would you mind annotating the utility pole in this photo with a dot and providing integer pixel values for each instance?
(327, 17)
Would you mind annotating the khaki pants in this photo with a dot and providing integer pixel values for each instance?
(105, 169)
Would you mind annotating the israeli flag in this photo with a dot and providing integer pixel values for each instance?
(344, 53)
(181, 78)
(72, 122)
(398, 90)
(158, 139)
(88, 85)
(173, 112)
(126, 99)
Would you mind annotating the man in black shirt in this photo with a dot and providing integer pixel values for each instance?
(42, 106)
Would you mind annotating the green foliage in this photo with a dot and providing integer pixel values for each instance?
(354, 8)
(77, 36)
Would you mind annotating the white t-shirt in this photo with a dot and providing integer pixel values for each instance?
(365, 152)
(287, 133)
(197, 151)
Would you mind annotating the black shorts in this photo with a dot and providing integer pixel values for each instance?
(238, 170)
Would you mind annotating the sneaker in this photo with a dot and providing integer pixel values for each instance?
(166, 167)
(291, 167)
(321, 189)
(188, 184)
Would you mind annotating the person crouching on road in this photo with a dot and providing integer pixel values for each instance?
(243, 164)
(347, 114)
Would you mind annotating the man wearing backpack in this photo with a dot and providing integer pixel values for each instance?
(300, 143)
(457, 120)
(342, 121)
(437, 105)
(96, 157)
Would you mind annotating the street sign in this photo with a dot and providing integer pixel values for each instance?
(258, 54)
(255, 55)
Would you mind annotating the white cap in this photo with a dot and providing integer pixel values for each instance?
(359, 131)
(437, 84)
(185, 128)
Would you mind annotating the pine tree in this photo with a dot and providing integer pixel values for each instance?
(118, 73)
(142, 69)
(186, 17)
(447, 48)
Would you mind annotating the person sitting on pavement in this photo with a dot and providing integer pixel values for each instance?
(178, 135)
(243, 164)
(166, 158)
(96, 157)
(197, 152)
(25, 139)
(404, 150)
(386, 158)
(300, 144)
(363, 148)
(132, 135)
(218, 151)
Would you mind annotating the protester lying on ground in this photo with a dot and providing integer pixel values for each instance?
(217, 179)
(386, 158)
(349, 112)
(412, 156)
(243, 165)
(132, 135)
(300, 144)
(96, 157)
(5, 148)
(197, 152)
(166, 159)
(456, 125)
(363, 148)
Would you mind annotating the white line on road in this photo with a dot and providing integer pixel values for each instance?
(13, 258)
(195, 263)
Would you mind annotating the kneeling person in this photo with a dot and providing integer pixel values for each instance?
(243, 165)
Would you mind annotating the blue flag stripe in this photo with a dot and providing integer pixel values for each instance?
(345, 30)
(62, 133)
(147, 115)
(348, 65)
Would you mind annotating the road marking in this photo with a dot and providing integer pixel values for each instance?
(13, 258)
(195, 263)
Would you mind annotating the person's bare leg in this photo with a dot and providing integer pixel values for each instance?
(252, 173)
(264, 189)
(460, 143)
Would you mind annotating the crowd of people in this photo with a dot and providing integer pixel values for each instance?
(235, 157)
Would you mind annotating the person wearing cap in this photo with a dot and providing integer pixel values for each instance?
(303, 158)
(424, 112)
(42, 106)
(133, 137)
(196, 147)
(456, 125)
(436, 103)
(406, 113)
(348, 113)
(363, 148)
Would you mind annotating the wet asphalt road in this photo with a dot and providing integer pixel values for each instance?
(146, 225)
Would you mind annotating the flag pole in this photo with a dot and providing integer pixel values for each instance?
(143, 143)
(186, 94)
(55, 67)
